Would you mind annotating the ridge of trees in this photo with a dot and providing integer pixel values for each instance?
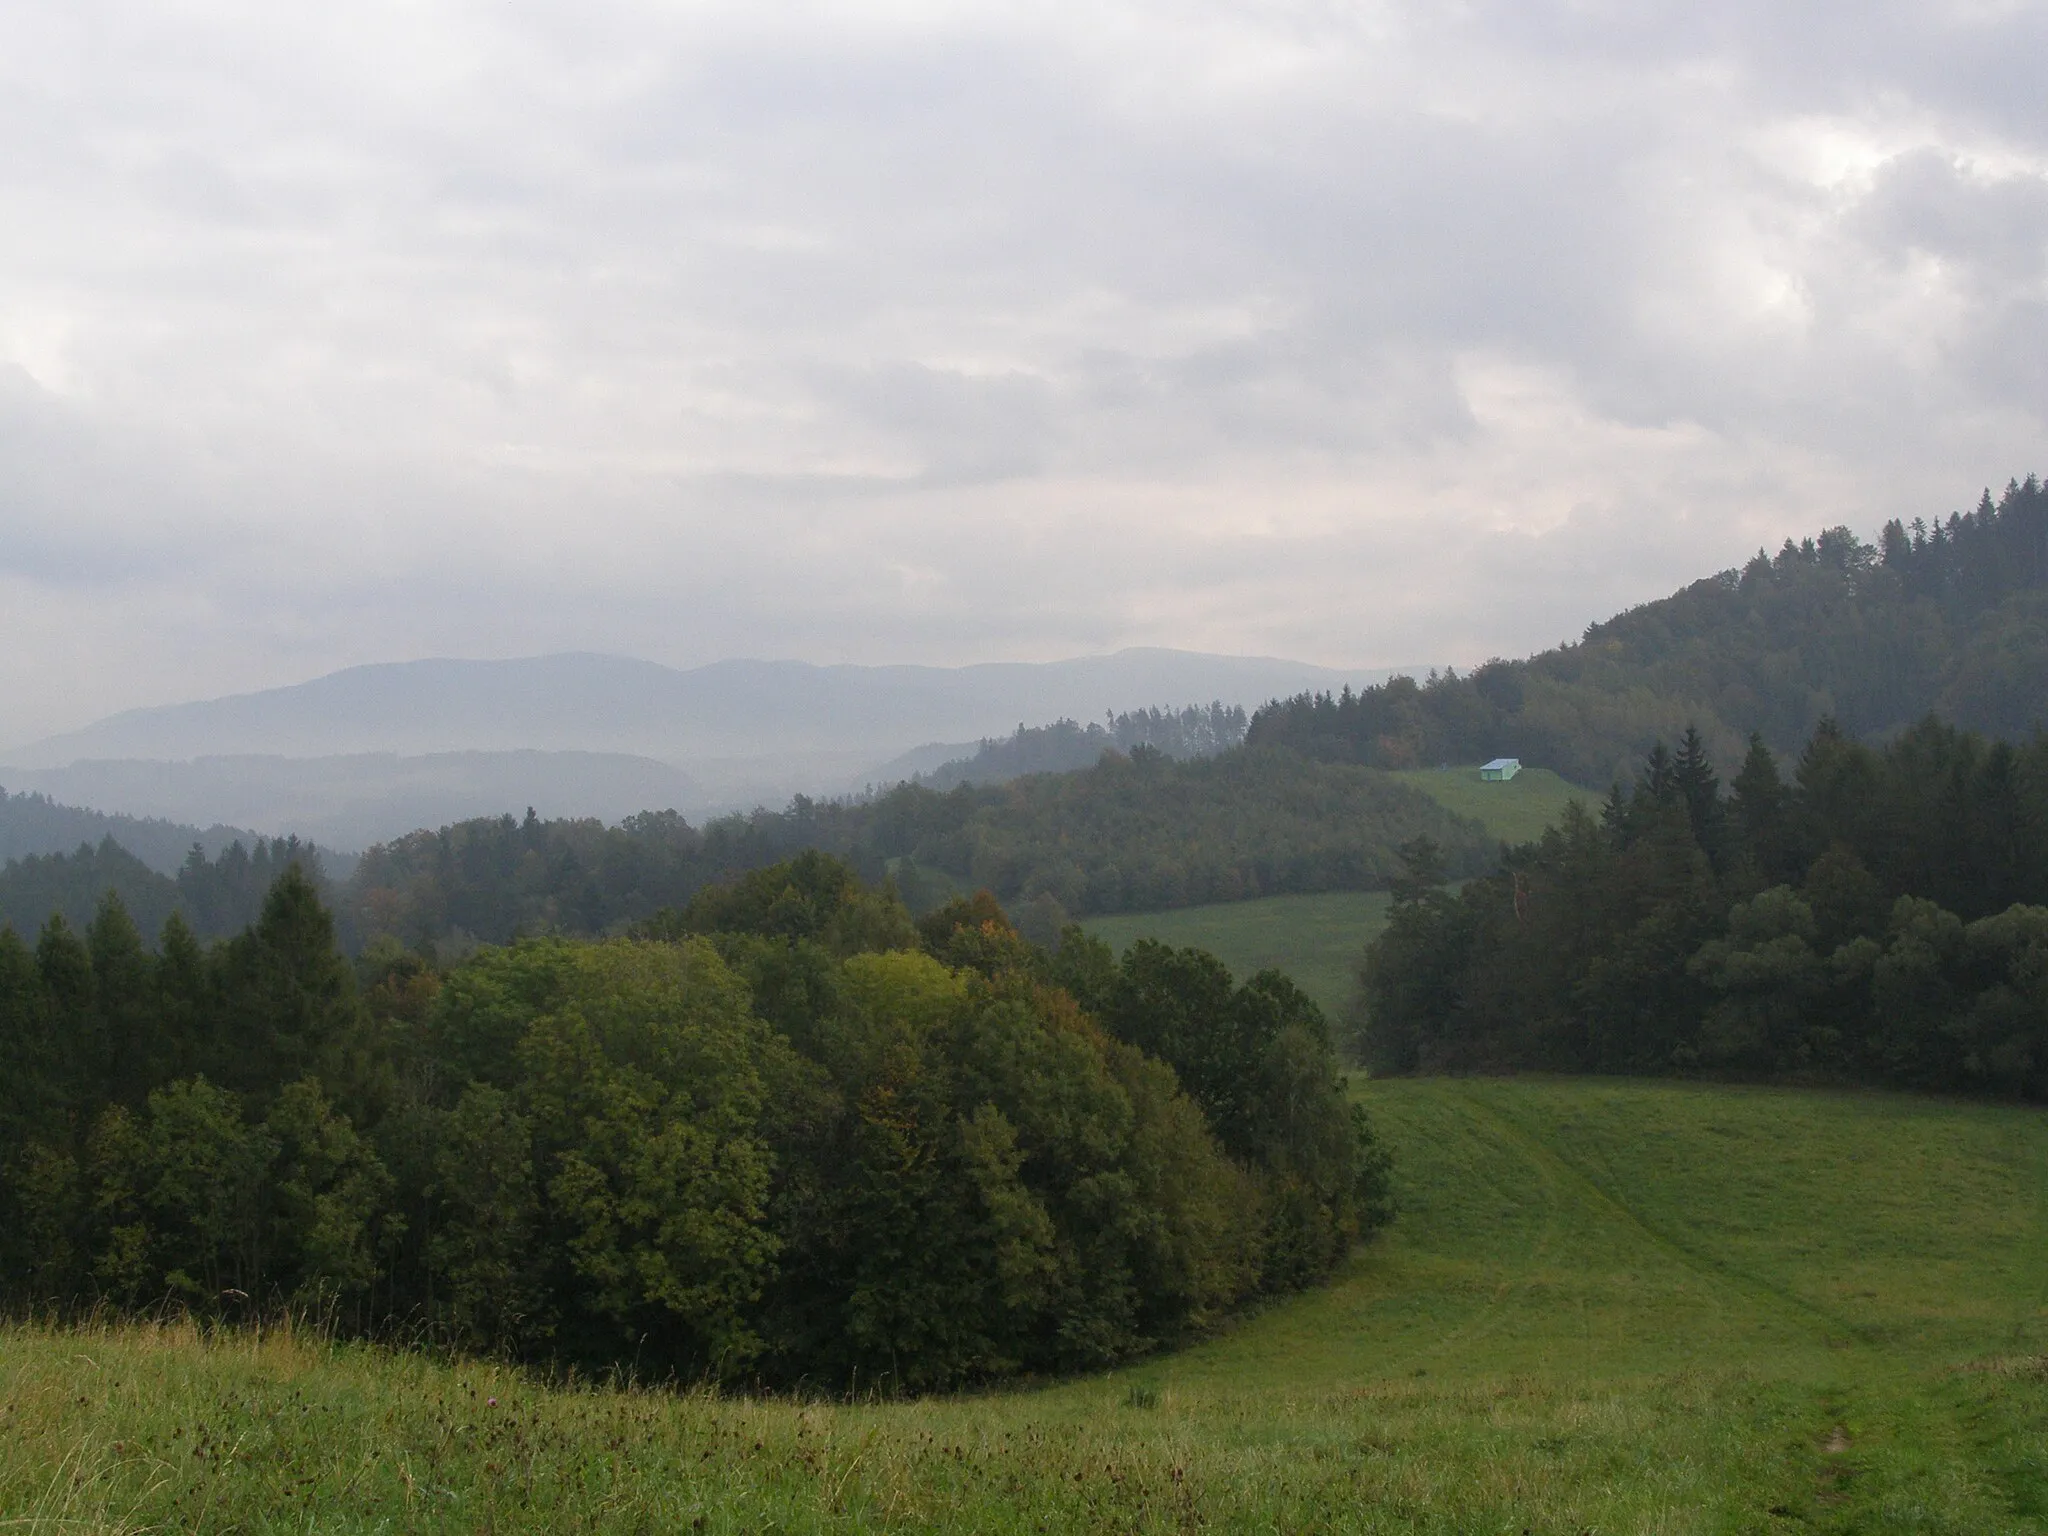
(215, 896)
(32, 823)
(1132, 833)
(1948, 618)
(1066, 745)
(1881, 916)
(783, 1134)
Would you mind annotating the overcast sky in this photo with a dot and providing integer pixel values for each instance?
(1357, 333)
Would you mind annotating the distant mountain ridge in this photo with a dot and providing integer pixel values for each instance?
(352, 801)
(588, 702)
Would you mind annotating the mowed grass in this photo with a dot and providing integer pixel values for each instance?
(1515, 812)
(1607, 1307)
(1316, 940)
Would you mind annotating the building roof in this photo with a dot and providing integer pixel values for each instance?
(1501, 762)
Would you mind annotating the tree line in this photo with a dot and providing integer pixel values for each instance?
(216, 896)
(1065, 745)
(32, 823)
(1944, 618)
(1881, 915)
(1134, 832)
(782, 1134)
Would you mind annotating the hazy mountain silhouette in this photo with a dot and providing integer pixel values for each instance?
(352, 801)
(614, 704)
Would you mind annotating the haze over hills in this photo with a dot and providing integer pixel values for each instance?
(33, 823)
(374, 752)
(585, 702)
(351, 801)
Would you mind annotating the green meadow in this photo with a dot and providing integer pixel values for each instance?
(1514, 812)
(1317, 940)
(1605, 1306)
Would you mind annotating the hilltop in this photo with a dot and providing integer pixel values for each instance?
(34, 823)
(1944, 618)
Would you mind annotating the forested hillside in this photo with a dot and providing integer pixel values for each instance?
(34, 823)
(1949, 618)
(1882, 916)
(1066, 744)
(214, 896)
(784, 1134)
(1137, 832)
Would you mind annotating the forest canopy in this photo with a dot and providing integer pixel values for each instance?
(1879, 915)
(1948, 618)
(784, 1135)
(1132, 833)
(1065, 745)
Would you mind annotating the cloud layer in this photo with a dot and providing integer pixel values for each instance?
(1361, 333)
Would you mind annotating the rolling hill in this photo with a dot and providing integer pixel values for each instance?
(32, 823)
(1315, 940)
(1604, 1307)
(1949, 618)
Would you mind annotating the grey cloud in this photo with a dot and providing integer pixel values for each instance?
(1370, 333)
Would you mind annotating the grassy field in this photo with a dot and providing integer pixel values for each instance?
(1605, 1307)
(1315, 939)
(1515, 812)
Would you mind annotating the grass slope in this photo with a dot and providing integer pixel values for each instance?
(1316, 940)
(1514, 812)
(1605, 1307)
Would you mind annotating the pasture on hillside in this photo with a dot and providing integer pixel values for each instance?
(1515, 812)
(1317, 940)
(1606, 1306)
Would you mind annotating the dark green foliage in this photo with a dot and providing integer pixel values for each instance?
(286, 1005)
(1133, 833)
(33, 888)
(225, 895)
(32, 823)
(1258, 1061)
(1066, 745)
(216, 898)
(812, 897)
(784, 1134)
(1878, 917)
(1947, 619)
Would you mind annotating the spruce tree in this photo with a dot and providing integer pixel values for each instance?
(1695, 782)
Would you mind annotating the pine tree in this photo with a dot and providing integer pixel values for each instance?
(1759, 805)
(1694, 780)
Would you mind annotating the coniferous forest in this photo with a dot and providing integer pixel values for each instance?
(1879, 913)
(1067, 744)
(1948, 618)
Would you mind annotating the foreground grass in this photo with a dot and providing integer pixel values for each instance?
(1514, 812)
(1316, 940)
(1605, 1307)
